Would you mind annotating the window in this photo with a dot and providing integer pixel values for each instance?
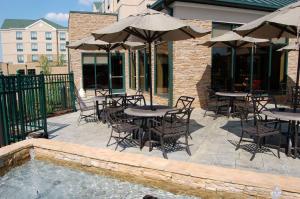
(31, 71)
(20, 58)
(50, 58)
(132, 70)
(35, 58)
(221, 65)
(62, 36)
(19, 47)
(48, 35)
(33, 35)
(19, 35)
(48, 46)
(62, 47)
(96, 73)
(63, 58)
(162, 69)
(21, 71)
(34, 47)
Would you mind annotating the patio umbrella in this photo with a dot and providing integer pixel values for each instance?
(281, 23)
(290, 47)
(89, 43)
(234, 40)
(148, 27)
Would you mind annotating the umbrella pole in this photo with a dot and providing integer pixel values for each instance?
(297, 82)
(233, 60)
(251, 68)
(109, 72)
(150, 76)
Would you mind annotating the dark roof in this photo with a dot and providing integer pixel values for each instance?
(264, 5)
(97, 5)
(23, 23)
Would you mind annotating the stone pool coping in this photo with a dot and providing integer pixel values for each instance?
(190, 174)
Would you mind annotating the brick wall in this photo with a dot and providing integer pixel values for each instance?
(192, 66)
(81, 24)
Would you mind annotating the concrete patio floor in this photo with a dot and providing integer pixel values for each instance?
(213, 142)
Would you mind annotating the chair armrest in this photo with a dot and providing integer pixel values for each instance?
(155, 122)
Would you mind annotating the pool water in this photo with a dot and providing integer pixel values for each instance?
(38, 179)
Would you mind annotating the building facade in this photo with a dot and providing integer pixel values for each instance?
(184, 68)
(26, 42)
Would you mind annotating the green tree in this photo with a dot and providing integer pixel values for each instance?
(61, 60)
(45, 64)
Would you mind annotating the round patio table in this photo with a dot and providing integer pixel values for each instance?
(231, 96)
(145, 111)
(290, 116)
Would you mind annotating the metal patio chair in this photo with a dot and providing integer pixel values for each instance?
(184, 102)
(174, 125)
(258, 131)
(87, 108)
(134, 100)
(122, 128)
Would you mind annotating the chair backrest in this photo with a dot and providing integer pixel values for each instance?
(134, 100)
(184, 102)
(115, 100)
(113, 114)
(177, 120)
(263, 102)
(102, 92)
(81, 103)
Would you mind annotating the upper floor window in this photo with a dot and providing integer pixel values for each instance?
(49, 57)
(48, 35)
(20, 58)
(62, 36)
(19, 47)
(19, 35)
(35, 58)
(48, 47)
(33, 35)
(62, 47)
(34, 46)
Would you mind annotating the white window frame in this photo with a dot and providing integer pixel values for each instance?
(34, 60)
(33, 33)
(48, 34)
(20, 47)
(19, 35)
(33, 45)
(20, 58)
(47, 47)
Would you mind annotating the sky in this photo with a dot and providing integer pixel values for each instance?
(54, 10)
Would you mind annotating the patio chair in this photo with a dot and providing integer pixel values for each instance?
(87, 108)
(258, 131)
(184, 102)
(122, 128)
(134, 100)
(139, 92)
(214, 103)
(170, 131)
(102, 92)
(115, 100)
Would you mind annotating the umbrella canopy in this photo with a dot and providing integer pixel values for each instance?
(89, 43)
(290, 47)
(148, 27)
(281, 23)
(234, 40)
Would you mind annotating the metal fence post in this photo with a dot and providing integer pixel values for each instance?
(72, 90)
(21, 102)
(43, 103)
(3, 131)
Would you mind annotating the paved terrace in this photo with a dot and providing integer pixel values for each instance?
(213, 143)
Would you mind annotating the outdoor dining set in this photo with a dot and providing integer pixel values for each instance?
(133, 121)
(261, 116)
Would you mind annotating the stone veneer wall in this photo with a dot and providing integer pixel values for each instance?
(192, 66)
(292, 66)
(81, 24)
